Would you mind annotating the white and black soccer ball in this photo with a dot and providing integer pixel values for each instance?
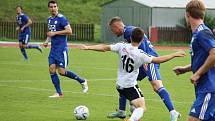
(81, 112)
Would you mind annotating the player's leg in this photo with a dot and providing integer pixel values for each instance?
(139, 109)
(203, 108)
(54, 78)
(68, 73)
(31, 46)
(121, 113)
(135, 96)
(190, 118)
(155, 80)
(22, 47)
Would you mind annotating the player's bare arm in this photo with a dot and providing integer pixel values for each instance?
(66, 31)
(101, 47)
(182, 69)
(210, 62)
(48, 39)
(26, 25)
(165, 58)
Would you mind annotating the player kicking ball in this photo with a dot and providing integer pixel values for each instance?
(130, 59)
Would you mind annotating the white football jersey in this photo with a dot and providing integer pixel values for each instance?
(130, 59)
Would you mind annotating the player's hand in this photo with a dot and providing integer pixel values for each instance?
(51, 34)
(45, 44)
(22, 29)
(180, 54)
(18, 29)
(195, 78)
(179, 70)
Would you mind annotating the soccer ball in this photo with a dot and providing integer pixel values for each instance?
(81, 112)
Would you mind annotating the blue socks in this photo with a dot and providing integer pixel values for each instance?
(164, 95)
(24, 53)
(56, 82)
(72, 75)
(122, 102)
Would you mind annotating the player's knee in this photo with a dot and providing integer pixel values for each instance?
(21, 46)
(156, 85)
(61, 72)
(52, 70)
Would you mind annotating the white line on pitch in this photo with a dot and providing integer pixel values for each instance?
(95, 94)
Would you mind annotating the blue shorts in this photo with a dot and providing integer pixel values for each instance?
(24, 38)
(152, 72)
(204, 107)
(60, 59)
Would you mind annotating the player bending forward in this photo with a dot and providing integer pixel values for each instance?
(130, 59)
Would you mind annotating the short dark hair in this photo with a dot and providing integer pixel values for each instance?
(19, 6)
(114, 19)
(196, 9)
(137, 35)
(52, 1)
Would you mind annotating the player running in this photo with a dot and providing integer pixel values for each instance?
(24, 30)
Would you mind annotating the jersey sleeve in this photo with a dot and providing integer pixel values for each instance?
(145, 58)
(115, 47)
(206, 40)
(64, 21)
(25, 18)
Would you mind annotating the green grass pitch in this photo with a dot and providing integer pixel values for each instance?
(26, 85)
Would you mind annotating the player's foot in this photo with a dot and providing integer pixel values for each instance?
(26, 59)
(40, 49)
(117, 114)
(175, 116)
(56, 95)
(84, 86)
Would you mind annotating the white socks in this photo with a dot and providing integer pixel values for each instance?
(137, 114)
(172, 112)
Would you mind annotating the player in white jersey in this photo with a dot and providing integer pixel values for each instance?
(130, 59)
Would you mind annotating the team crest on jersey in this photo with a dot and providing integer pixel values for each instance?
(55, 22)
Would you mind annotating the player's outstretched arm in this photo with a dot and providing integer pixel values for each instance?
(182, 69)
(101, 47)
(165, 58)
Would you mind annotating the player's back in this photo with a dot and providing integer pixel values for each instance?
(130, 59)
(146, 45)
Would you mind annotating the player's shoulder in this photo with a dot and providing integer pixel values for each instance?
(49, 17)
(23, 15)
(129, 29)
(60, 15)
(205, 33)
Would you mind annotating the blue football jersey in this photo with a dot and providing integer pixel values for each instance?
(146, 45)
(58, 42)
(202, 41)
(22, 19)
